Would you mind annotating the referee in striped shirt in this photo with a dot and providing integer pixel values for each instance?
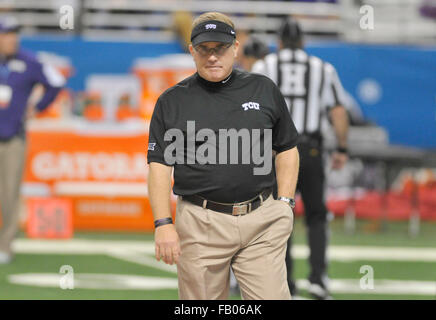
(314, 95)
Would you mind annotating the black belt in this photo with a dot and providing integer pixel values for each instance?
(234, 209)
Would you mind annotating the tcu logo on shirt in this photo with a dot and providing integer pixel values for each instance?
(250, 105)
(211, 26)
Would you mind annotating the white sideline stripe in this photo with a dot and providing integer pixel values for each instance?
(337, 253)
(79, 246)
(400, 287)
(349, 253)
(353, 253)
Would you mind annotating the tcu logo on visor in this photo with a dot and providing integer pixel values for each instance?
(250, 105)
(211, 26)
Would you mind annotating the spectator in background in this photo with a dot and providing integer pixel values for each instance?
(182, 24)
(428, 9)
(20, 71)
(254, 49)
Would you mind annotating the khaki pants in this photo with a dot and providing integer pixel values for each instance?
(12, 154)
(254, 245)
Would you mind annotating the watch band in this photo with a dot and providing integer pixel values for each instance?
(342, 150)
(162, 222)
(289, 201)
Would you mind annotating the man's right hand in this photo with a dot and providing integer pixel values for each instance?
(167, 244)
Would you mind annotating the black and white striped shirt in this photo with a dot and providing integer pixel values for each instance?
(310, 86)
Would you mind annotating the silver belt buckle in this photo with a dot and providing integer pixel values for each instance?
(239, 209)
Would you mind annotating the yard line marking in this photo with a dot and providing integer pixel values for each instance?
(137, 282)
(140, 258)
(381, 286)
(337, 253)
(96, 281)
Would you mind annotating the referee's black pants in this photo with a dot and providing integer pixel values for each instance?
(311, 183)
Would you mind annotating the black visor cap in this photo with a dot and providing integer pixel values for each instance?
(212, 31)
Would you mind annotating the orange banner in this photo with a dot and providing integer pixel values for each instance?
(66, 156)
(104, 176)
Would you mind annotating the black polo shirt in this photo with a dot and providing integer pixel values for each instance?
(245, 102)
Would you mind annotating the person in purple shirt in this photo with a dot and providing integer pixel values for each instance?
(20, 71)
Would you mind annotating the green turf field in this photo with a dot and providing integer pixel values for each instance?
(122, 266)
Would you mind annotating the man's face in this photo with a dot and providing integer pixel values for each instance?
(8, 43)
(214, 60)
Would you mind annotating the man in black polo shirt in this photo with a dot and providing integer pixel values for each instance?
(218, 129)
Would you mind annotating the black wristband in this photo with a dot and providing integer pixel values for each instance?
(342, 150)
(162, 222)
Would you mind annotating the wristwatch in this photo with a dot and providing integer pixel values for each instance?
(289, 201)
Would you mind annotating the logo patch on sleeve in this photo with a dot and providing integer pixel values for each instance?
(151, 146)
